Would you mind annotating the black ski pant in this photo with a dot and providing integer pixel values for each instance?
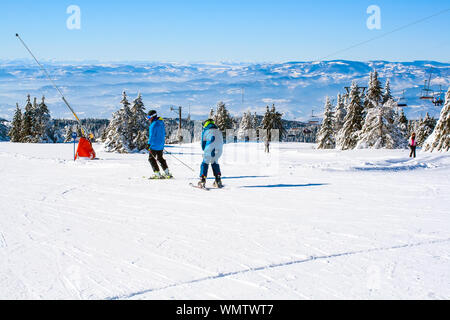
(154, 158)
(413, 151)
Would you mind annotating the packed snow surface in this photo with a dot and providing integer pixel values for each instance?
(297, 224)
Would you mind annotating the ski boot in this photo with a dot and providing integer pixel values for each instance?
(218, 183)
(167, 174)
(156, 176)
(202, 183)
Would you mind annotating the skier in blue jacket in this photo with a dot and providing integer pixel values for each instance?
(212, 146)
(156, 142)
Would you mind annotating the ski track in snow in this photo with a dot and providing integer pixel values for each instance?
(279, 265)
(3, 243)
(90, 230)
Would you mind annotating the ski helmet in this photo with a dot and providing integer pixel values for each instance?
(208, 122)
(152, 114)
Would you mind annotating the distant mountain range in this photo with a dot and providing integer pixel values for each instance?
(296, 88)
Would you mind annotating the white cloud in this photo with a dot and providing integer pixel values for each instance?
(275, 101)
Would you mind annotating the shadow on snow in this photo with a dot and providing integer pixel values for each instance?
(240, 177)
(288, 185)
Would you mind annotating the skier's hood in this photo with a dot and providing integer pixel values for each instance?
(157, 119)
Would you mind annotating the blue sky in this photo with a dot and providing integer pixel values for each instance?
(247, 31)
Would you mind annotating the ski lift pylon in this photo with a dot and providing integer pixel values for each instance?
(427, 92)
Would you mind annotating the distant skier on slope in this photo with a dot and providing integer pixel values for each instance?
(156, 142)
(267, 144)
(413, 145)
(212, 146)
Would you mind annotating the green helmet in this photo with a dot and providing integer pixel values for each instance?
(208, 122)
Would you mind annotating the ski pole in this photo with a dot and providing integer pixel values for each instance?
(167, 152)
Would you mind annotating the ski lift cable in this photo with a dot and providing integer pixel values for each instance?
(53, 82)
(386, 34)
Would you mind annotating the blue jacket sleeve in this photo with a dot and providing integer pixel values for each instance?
(150, 133)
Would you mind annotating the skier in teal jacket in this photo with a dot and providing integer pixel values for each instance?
(212, 146)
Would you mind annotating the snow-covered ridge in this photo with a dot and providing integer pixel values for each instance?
(298, 87)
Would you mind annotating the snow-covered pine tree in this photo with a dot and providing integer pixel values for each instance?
(27, 125)
(381, 130)
(326, 139)
(126, 118)
(222, 118)
(403, 123)
(339, 114)
(78, 130)
(347, 137)
(273, 121)
(104, 134)
(42, 124)
(413, 126)
(35, 126)
(266, 125)
(245, 125)
(440, 138)
(138, 125)
(15, 133)
(374, 95)
(118, 133)
(68, 134)
(278, 122)
(266, 121)
(387, 95)
(255, 121)
(425, 129)
(211, 114)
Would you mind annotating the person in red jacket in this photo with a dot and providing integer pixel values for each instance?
(413, 145)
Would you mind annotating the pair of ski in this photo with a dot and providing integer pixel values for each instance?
(159, 178)
(191, 184)
(204, 187)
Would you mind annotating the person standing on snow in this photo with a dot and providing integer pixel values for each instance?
(212, 146)
(413, 145)
(156, 142)
(267, 143)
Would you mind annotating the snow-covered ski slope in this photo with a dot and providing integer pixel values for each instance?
(298, 224)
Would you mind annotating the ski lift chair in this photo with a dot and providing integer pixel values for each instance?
(438, 100)
(402, 101)
(427, 93)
